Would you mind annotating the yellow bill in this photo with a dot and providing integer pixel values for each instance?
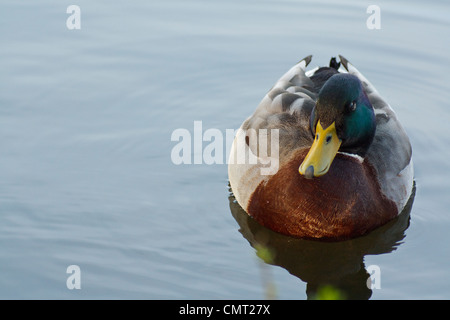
(323, 150)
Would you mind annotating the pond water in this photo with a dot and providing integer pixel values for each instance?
(87, 177)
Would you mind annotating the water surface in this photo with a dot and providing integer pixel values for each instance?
(86, 118)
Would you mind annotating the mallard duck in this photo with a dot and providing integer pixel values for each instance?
(333, 161)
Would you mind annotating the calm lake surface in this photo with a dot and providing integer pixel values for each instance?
(86, 174)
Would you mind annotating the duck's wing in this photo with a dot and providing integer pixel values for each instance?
(286, 107)
(282, 117)
(390, 152)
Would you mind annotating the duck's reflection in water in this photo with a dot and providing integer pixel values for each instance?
(339, 264)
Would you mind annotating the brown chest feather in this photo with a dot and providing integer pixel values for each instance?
(344, 203)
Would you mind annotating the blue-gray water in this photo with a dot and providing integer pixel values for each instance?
(86, 117)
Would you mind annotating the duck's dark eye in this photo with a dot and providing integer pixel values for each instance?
(328, 139)
(352, 106)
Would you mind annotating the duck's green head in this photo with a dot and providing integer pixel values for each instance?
(342, 120)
